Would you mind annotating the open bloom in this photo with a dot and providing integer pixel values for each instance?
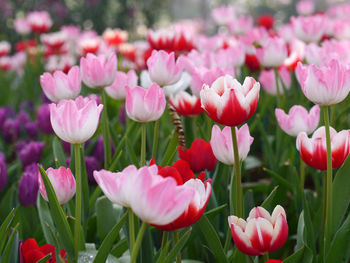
(228, 102)
(117, 89)
(98, 71)
(75, 121)
(63, 182)
(145, 105)
(186, 104)
(154, 199)
(60, 86)
(273, 53)
(313, 150)
(325, 85)
(163, 69)
(39, 21)
(5, 48)
(267, 80)
(221, 143)
(309, 28)
(261, 233)
(298, 119)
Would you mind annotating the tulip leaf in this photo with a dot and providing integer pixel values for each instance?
(85, 187)
(12, 244)
(58, 153)
(170, 151)
(4, 227)
(119, 249)
(177, 248)
(45, 220)
(212, 239)
(58, 215)
(107, 243)
(341, 194)
(303, 254)
(122, 140)
(44, 259)
(213, 212)
(267, 202)
(115, 160)
(279, 179)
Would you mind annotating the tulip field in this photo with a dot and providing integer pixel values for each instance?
(224, 140)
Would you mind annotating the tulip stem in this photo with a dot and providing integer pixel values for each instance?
(105, 132)
(140, 235)
(176, 239)
(239, 194)
(78, 199)
(329, 179)
(265, 257)
(155, 140)
(302, 174)
(131, 230)
(278, 93)
(164, 241)
(143, 144)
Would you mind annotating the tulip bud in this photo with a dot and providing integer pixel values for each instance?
(28, 186)
(31, 153)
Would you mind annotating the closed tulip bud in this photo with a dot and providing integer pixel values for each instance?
(60, 86)
(28, 186)
(31, 153)
(75, 121)
(186, 104)
(43, 119)
(298, 119)
(117, 90)
(63, 182)
(11, 130)
(31, 129)
(3, 172)
(261, 233)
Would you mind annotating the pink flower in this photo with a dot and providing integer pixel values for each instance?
(324, 85)
(228, 102)
(39, 21)
(221, 143)
(268, 81)
(309, 28)
(97, 71)
(298, 119)
(314, 151)
(63, 182)
(240, 25)
(162, 68)
(305, 7)
(186, 104)
(273, 53)
(261, 233)
(75, 121)
(22, 26)
(230, 57)
(223, 14)
(115, 37)
(145, 105)
(5, 48)
(117, 90)
(54, 40)
(341, 29)
(60, 86)
(154, 199)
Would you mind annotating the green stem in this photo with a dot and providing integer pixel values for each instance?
(329, 179)
(78, 199)
(131, 230)
(302, 174)
(155, 140)
(105, 131)
(176, 239)
(233, 206)
(278, 93)
(164, 241)
(143, 144)
(239, 194)
(135, 251)
(265, 257)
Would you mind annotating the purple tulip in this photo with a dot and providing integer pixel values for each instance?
(28, 186)
(2, 117)
(92, 165)
(3, 172)
(23, 118)
(43, 119)
(11, 130)
(98, 151)
(31, 153)
(31, 129)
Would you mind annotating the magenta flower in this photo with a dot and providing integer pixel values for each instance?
(117, 90)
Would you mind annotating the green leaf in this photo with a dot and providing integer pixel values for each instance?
(267, 202)
(45, 220)
(119, 249)
(58, 215)
(44, 259)
(122, 141)
(213, 212)
(58, 153)
(304, 255)
(115, 160)
(177, 248)
(212, 239)
(279, 179)
(300, 232)
(107, 243)
(12, 241)
(170, 151)
(4, 227)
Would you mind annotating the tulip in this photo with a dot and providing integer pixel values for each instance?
(39, 21)
(268, 81)
(117, 89)
(31, 129)
(221, 143)
(223, 14)
(43, 119)
(298, 119)
(267, 21)
(199, 156)
(186, 104)
(313, 150)
(31, 153)
(3, 172)
(325, 85)
(28, 186)
(261, 233)
(5, 48)
(11, 130)
(274, 261)
(97, 71)
(305, 7)
(145, 105)
(240, 25)
(91, 164)
(273, 53)
(62, 181)
(163, 69)
(21, 26)
(54, 41)
(310, 28)
(154, 199)
(228, 102)
(60, 86)
(115, 37)
(75, 121)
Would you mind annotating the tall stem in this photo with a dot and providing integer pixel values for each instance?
(140, 235)
(329, 179)
(302, 174)
(105, 132)
(143, 144)
(164, 241)
(265, 257)
(155, 140)
(278, 92)
(131, 230)
(78, 199)
(176, 239)
(239, 194)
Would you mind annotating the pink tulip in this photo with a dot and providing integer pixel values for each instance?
(240, 25)
(60, 86)
(229, 58)
(98, 71)
(21, 26)
(228, 102)
(261, 233)
(186, 104)
(117, 89)
(298, 119)
(154, 199)
(273, 52)
(310, 28)
(221, 143)
(324, 85)
(314, 151)
(145, 105)
(39, 21)
(223, 14)
(63, 182)
(5, 48)
(75, 121)
(163, 69)
(341, 29)
(305, 7)
(268, 81)
(54, 40)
